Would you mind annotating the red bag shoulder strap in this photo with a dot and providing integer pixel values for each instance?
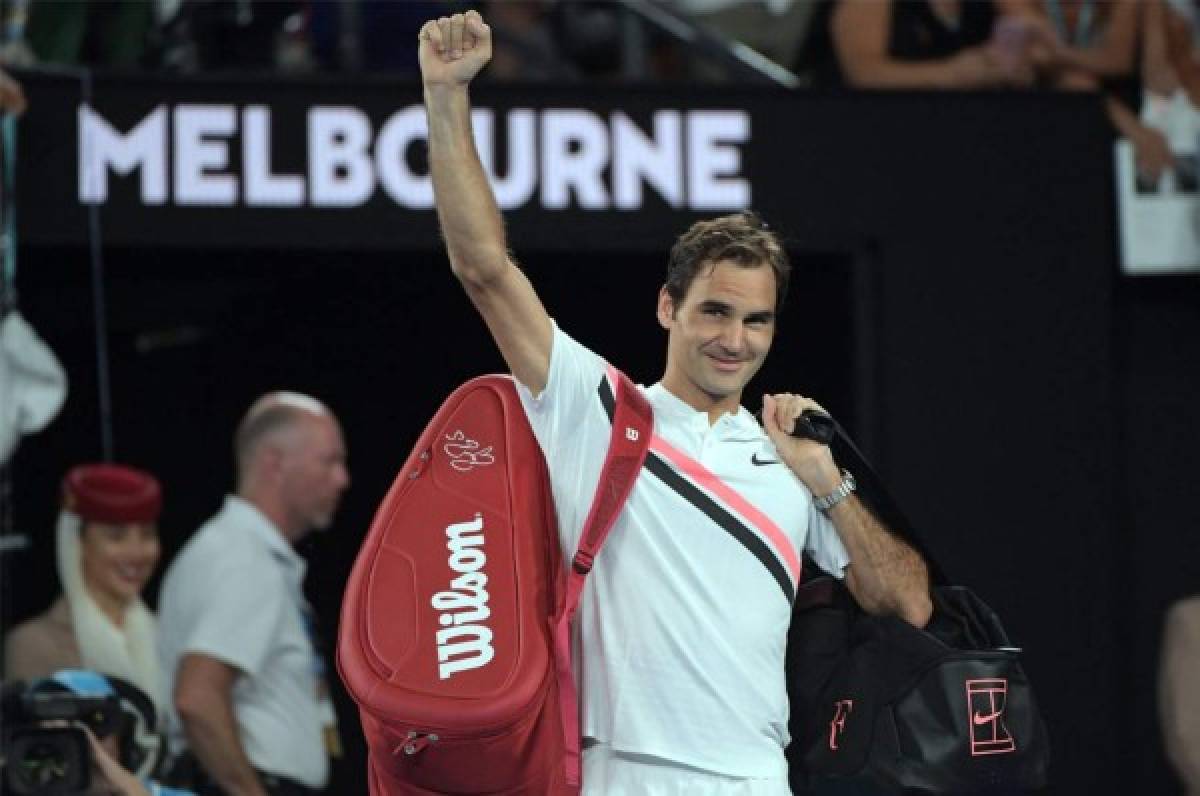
(632, 427)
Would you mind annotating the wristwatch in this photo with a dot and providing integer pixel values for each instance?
(839, 494)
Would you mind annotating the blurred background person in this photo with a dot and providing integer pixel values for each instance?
(1178, 30)
(1081, 43)
(915, 44)
(247, 35)
(107, 548)
(525, 47)
(249, 696)
(1171, 53)
(12, 96)
(1179, 691)
(1092, 45)
(1170, 79)
(773, 28)
(111, 33)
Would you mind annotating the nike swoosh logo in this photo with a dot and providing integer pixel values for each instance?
(979, 718)
(761, 462)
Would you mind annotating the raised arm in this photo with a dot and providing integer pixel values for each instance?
(452, 51)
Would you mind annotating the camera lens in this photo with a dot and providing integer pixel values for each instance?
(47, 762)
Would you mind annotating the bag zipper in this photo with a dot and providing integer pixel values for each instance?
(415, 742)
(422, 463)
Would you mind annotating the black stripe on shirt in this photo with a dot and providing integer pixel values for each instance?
(714, 511)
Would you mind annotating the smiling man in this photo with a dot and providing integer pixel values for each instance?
(684, 620)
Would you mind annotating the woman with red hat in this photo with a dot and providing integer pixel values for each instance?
(107, 549)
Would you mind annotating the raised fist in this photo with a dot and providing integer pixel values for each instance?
(452, 50)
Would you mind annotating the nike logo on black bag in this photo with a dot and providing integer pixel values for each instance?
(979, 718)
(761, 462)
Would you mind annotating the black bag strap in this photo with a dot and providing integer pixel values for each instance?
(825, 429)
(874, 492)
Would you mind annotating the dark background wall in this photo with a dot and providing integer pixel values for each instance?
(957, 300)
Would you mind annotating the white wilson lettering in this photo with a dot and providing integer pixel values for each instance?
(464, 643)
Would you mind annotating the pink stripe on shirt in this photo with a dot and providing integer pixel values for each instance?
(709, 481)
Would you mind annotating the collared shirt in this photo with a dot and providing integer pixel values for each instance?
(683, 629)
(235, 593)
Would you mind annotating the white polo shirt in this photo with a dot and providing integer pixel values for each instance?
(684, 627)
(235, 593)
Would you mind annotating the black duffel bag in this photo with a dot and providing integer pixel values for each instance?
(880, 707)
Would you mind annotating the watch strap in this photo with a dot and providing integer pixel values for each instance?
(840, 493)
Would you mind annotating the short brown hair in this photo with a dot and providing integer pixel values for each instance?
(742, 238)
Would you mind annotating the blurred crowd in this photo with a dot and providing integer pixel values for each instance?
(1142, 54)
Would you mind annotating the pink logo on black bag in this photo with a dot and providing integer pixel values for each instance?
(986, 700)
(838, 725)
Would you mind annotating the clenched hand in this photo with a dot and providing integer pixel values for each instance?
(452, 50)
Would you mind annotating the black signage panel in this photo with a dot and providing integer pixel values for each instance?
(330, 165)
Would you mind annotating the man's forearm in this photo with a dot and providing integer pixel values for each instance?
(467, 211)
(885, 575)
(213, 738)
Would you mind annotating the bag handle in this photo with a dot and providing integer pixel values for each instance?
(632, 427)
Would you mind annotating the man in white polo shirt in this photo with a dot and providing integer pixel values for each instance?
(684, 619)
(246, 683)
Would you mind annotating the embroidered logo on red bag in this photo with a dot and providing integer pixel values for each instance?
(838, 725)
(986, 700)
(467, 454)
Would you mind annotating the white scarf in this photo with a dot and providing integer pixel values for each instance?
(127, 652)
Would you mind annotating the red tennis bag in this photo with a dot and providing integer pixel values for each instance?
(454, 627)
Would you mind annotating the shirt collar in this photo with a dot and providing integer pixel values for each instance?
(262, 529)
(732, 425)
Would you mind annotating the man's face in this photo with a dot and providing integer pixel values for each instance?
(313, 472)
(719, 334)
